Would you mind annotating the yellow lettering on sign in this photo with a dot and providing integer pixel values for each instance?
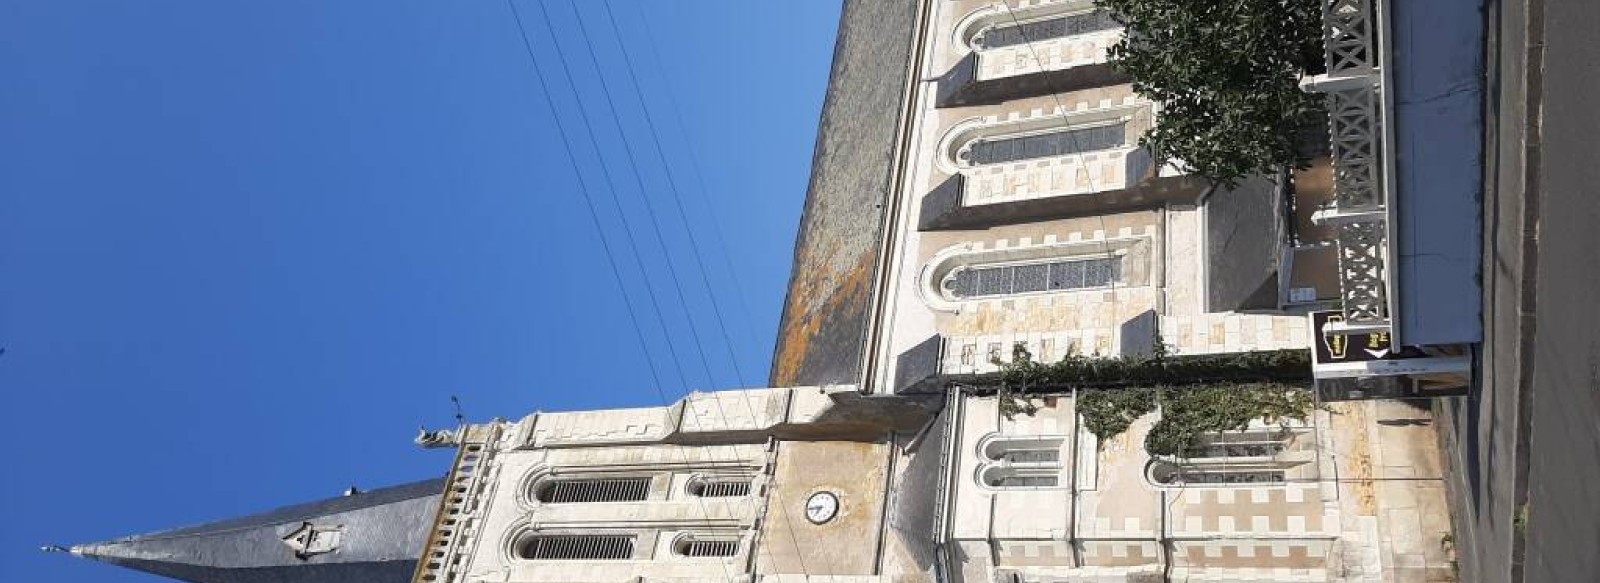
(1336, 344)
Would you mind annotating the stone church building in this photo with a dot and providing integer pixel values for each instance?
(977, 185)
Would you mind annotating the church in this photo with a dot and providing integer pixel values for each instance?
(979, 201)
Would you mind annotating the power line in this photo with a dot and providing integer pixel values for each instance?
(672, 186)
(616, 202)
(594, 216)
(633, 319)
(583, 189)
(698, 177)
(633, 166)
(638, 179)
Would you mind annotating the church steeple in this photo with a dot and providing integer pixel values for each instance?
(372, 537)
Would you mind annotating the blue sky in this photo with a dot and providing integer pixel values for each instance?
(246, 248)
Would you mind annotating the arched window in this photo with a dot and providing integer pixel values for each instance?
(1019, 278)
(573, 547)
(1007, 40)
(1012, 34)
(1224, 458)
(701, 546)
(719, 487)
(1023, 449)
(1259, 443)
(1168, 474)
(1048, 144)
(1016, 478)
(568, 490)
(1020, 461)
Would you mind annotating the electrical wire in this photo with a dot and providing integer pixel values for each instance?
(594, 216)
(666, 168)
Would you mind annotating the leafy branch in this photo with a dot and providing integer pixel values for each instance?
(1226, 73)
(1196, 395)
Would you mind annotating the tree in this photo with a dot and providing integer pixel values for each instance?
(1226, 73)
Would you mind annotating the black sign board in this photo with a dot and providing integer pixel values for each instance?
(1367, 365)
(1361, 347)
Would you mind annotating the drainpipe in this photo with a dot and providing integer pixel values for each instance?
(955, 409)
(1200, 201)
(1072, 517)
(1205, 272)
(1165, 542)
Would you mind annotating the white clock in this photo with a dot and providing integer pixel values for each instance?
(822, 507)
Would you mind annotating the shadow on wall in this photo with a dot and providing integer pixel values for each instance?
(1139, 335)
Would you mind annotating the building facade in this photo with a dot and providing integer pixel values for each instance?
(978, 187)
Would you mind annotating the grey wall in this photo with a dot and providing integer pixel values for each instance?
(1437, 64)
(1243, 241)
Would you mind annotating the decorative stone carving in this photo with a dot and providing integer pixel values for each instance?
(310, 540)
(437, 439)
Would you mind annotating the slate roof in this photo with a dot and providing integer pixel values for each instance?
(822, 332)
(382, 534)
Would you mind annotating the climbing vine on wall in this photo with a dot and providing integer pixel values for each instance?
(1196, 395)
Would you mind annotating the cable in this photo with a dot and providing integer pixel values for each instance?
(673, 188)
(633, 166)
(698, 176)
(638, 179)
(616, 202)
(594, 216)
(654, 302)
(583, 189)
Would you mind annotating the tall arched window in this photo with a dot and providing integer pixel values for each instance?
(1047, 144)
(1020, 461)
(1049, 35)
(699, 546)
(1171, 474)
(1041, 276)
(718, 487)
(574, 547)
(1066, 151)
(966, 273)
(1228, 458)
(569, 490)
(1011, 34)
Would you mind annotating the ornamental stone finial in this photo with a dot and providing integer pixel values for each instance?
(437, 439)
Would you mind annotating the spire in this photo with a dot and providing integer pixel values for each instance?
(372, 537)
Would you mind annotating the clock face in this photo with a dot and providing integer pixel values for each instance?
(821, 507)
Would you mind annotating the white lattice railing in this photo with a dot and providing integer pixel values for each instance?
(1057, 54)
(1361, 142)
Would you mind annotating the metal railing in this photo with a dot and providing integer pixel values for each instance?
(1361, 142)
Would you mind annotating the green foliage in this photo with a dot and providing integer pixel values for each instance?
(1226, 73)
(1014, 380)
(1196, 395)
(1190, 412)
(1022, 374)
(1108, 413)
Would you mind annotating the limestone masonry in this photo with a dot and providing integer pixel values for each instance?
(978, 186)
